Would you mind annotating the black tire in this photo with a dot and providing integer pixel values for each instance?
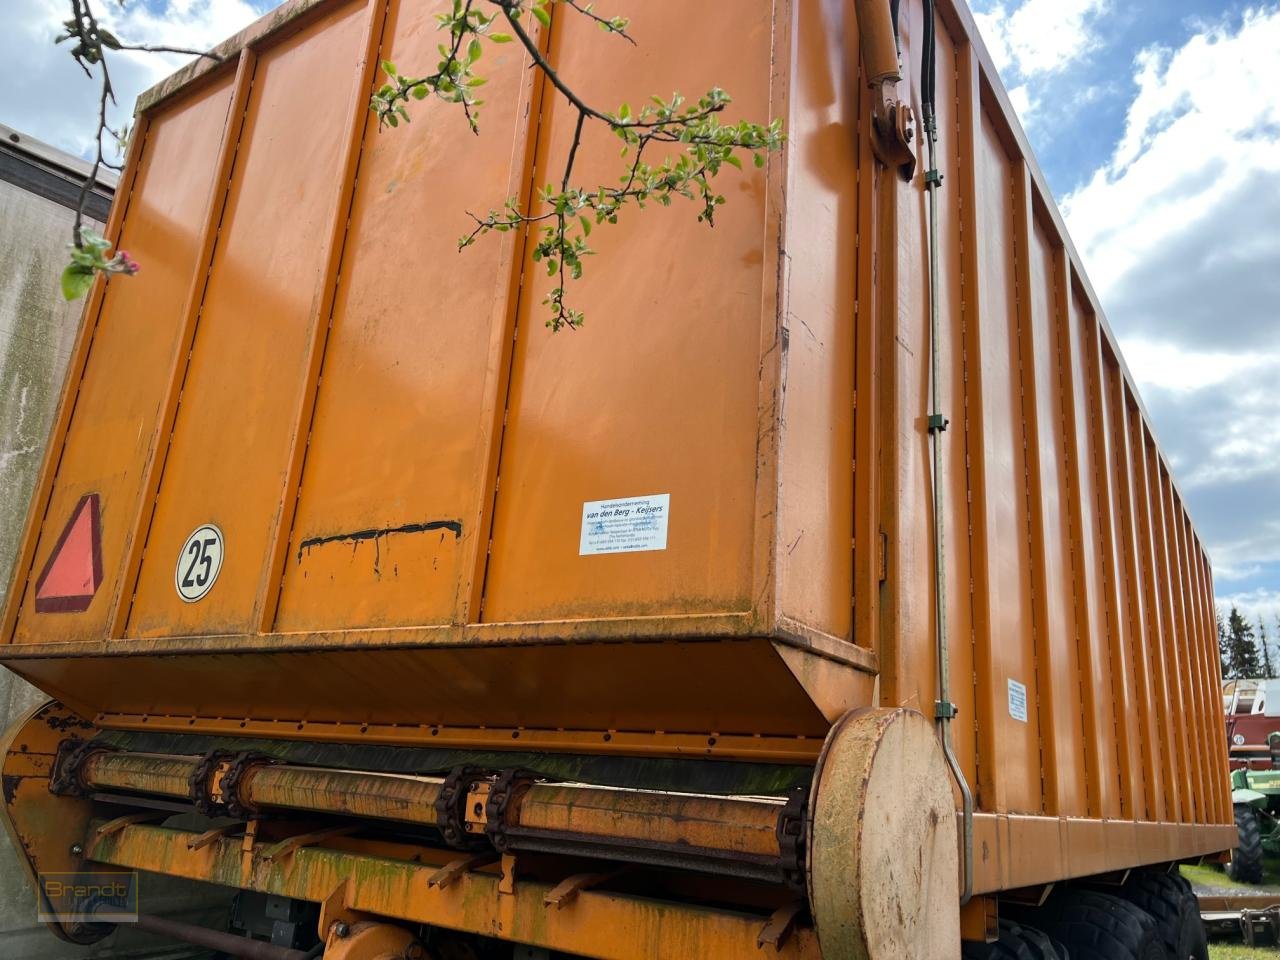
(1096, 926)
(1170, 901)
(1246, 858)
(1016, 943)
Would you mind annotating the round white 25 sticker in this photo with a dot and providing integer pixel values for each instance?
(199, 563)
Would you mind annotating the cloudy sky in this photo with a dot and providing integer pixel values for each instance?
(1158, 125)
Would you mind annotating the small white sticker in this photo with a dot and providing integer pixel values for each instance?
(633, 525)
(1017, 701)
(199, 563)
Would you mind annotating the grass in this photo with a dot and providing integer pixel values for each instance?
(1215, 877)
(1235, 951)
(1211, 876)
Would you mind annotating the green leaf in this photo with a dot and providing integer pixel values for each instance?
(76, 281)
(474, 49)
(543, 17)
(501, 37)
(389, 68)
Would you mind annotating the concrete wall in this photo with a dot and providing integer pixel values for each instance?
(37, 333)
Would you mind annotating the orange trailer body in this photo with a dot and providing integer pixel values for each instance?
(398, 453)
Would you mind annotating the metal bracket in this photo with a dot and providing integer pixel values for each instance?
(209, 836)
(790, 832)
(937, 423)
(447, 875)
(780, 926)
(945, 710)
(291, 845)
(119, 823)
(567, 890)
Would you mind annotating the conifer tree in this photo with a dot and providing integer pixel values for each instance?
(1242, 661)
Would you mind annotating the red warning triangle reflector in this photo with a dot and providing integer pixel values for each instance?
(71, 576)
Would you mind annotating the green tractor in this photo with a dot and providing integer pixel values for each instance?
(1255, 794)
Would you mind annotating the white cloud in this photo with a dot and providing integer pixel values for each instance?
(1187, 148)
(44, 94)
(1040, 36)
(1261, 604)
(1165, 365)
(1180, 233)
(1023, 103)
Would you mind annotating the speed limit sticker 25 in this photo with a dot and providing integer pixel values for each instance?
(199, 563)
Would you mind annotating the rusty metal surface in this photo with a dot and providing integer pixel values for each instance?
(139, 773)
(379, 796)
(598, 923)
(719, 823)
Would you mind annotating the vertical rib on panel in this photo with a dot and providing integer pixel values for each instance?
(1056, 610)
(1173, 660)
(1145, 655)
(1031, 300)
(1163, 681)
(1219, 752)
(988, 786)
(1195, 655)
(1127, 737)
(1185, 645)
(1078, 349)
(1002, 592)
(1212, 688)
(1065, 351)
(268, 599)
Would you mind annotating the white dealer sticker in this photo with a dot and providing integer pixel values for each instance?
(624, 526)
(1017, 701)
(199, 563)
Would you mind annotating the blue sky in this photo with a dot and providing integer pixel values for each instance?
(1158, 126)
(1157, 123)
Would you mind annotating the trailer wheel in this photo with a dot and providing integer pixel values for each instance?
(1172, 904)
(1246, 858)
(1015, 943)
(1097, 926)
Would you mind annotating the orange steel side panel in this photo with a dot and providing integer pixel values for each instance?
(1099, 700)
(117, 402)
(1065, 771)
(398, 451)
(657, 395)
(1085, 582)
(998, 468)
(417, 348)
(226, 463)
(909, 675)
(819, 274)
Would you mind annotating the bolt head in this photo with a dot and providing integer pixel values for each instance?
(341, 930)
(76, 849)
